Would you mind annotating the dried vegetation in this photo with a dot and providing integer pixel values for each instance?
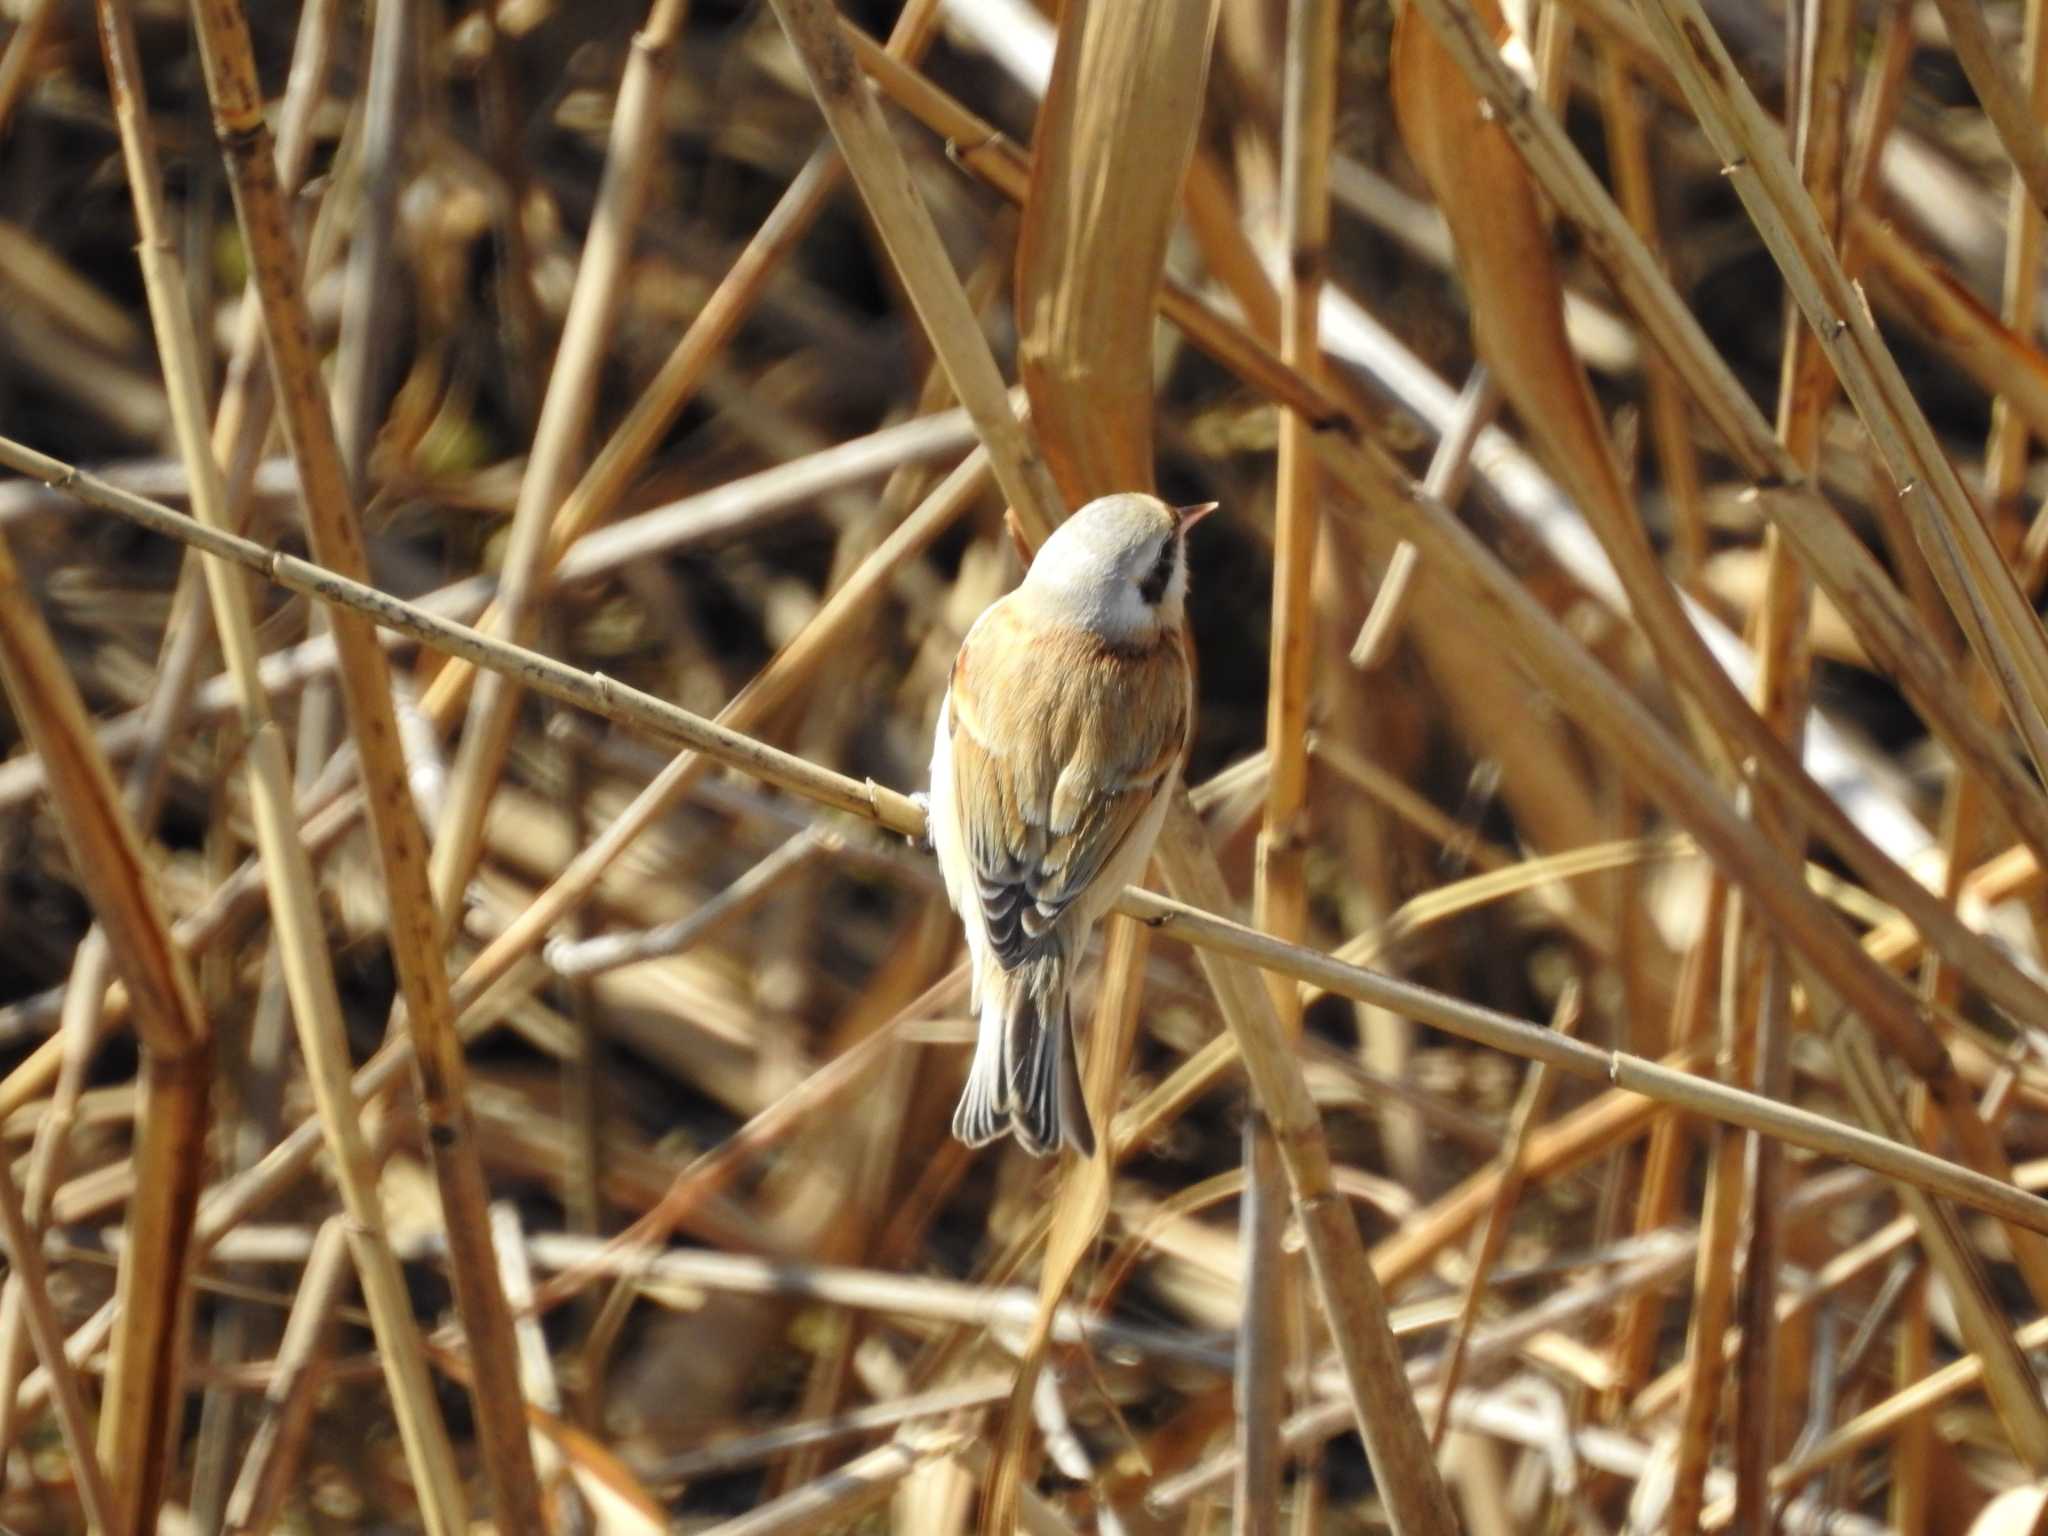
(478, 1041)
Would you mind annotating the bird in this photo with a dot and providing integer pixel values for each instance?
(1059, 743)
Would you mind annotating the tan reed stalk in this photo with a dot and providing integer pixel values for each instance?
(2002, 629)
(1280, 894)
(74, 1414)
(1628, 153)
(1528, 333)
(689, 363)
(140, 1408)
(1890, 629)
(274, 1454)
(367, 283)
(1476, 195)
(1822, 32)
(1664, 1162)
(2004, 102)
(288, 868)
(161, 718)
(16, 74)
(1196, 926)
(558, 438)
(79, 1029)
(774, 685)
(1963, 810)
(1530, 1106)
(2009, 1379)
(415, 933)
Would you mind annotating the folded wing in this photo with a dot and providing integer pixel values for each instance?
(1059, 744)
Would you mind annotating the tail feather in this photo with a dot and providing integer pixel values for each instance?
(984, 1111)
(1025, 1070)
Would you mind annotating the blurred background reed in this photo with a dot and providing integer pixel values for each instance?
(1620, 621)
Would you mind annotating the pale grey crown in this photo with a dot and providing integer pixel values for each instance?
(1118, 566)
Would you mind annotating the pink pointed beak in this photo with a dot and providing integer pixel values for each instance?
(1186, 517)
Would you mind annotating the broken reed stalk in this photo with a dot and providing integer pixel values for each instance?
(415, 932)
(287, 866)
(1280, 893)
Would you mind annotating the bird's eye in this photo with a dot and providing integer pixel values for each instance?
(1153, 587)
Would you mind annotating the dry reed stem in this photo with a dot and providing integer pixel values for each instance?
(2008, 1378)
(140, 1410)
(414, 932)
(1761, 1049)
(978, 1392)
(1280, 894)
(1979, 587)
(1516, 324)
(1890, 629)
(1500, 242)
(906, 228)
(1119, 120)
(29, 30)
(74, 1414)
(2019, 128)
(1449, 468)
(275, 1450)
(288, 869)
(558, 438)
(1387, 1419)
(79, 1029)
(826, 629)
(1628, 154)
(1205, 929)
(1530, 1106)
(1748, 996)
(361, 356)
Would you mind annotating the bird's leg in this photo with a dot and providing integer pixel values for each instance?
(922, 799)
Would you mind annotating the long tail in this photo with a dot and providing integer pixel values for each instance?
(1025, 1076)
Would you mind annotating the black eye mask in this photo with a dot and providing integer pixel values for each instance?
(1153, 587)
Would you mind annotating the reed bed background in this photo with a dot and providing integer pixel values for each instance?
(480, 1030)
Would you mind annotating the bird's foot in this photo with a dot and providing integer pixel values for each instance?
(923, 801)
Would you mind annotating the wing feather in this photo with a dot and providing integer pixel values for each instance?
(1059, 745)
